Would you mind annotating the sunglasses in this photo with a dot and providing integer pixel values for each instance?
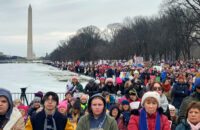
(157, 88)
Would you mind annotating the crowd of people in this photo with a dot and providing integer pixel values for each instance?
(118, 98)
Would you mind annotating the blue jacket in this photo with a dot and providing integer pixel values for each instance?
(180, 91)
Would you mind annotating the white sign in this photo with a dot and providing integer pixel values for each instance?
(135, 105)
(139, 60)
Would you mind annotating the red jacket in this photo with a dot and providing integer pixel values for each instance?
(121, 124)
(151, 120)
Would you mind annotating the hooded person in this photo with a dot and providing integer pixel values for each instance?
(10, 117)
(97, 117)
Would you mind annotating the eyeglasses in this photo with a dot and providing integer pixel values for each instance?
(157, 88)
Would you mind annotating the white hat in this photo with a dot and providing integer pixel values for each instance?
(171, 107)
(136, 72)
(151, 94)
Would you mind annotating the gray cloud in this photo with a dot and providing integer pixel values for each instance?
(54, 20)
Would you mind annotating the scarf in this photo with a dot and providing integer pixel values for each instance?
(97, 124)
(126, 117)
(143, 125)
(49, 123)
(194, 127)
(166, 87)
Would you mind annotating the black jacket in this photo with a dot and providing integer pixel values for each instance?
(38, 120)
(91, 90)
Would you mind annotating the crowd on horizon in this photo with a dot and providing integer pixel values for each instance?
(165, 96)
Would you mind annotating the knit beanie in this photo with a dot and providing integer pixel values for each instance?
(125, 102)
(118, 80)
(75, 77)
(171, 107)
(63, 104)
(197, 82)
(132, 92)
(109, 80)
(154, 95)
(25, 108)
(39, 94)
(36, 99)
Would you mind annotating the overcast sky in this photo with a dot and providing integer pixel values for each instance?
(55, 20)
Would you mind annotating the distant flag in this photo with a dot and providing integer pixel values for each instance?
(134, 57)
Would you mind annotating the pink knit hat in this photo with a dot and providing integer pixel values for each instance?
(152, 76)
(118, 80)
(109, 80)
(63, 104)
(25, 108)
(75, 77)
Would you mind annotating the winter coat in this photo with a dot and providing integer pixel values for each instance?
(16, 121)
(13, 118)
(78, 87)
(121, 124)
(84, 123)
(151, 121)
(110, 89)
(37, 121)
(180, 91)
(183, 125)
(194, 97)
(91, 90)
(120, 88)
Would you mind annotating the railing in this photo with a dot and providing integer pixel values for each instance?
(28, 97)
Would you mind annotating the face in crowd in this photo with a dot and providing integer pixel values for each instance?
(4, 105)
(194, 115)
(62, 110)
(36, 104)
(158, 88)
(97, 106)
(172, 112)
(150, 105)
(115, 112)
(74, 81)
(68, 96)
(50, 104)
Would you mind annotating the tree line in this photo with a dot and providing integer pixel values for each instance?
(169, 35)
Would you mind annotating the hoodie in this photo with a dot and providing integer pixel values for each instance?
(7, 94)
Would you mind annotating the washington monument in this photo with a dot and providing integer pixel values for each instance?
(30, 40)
